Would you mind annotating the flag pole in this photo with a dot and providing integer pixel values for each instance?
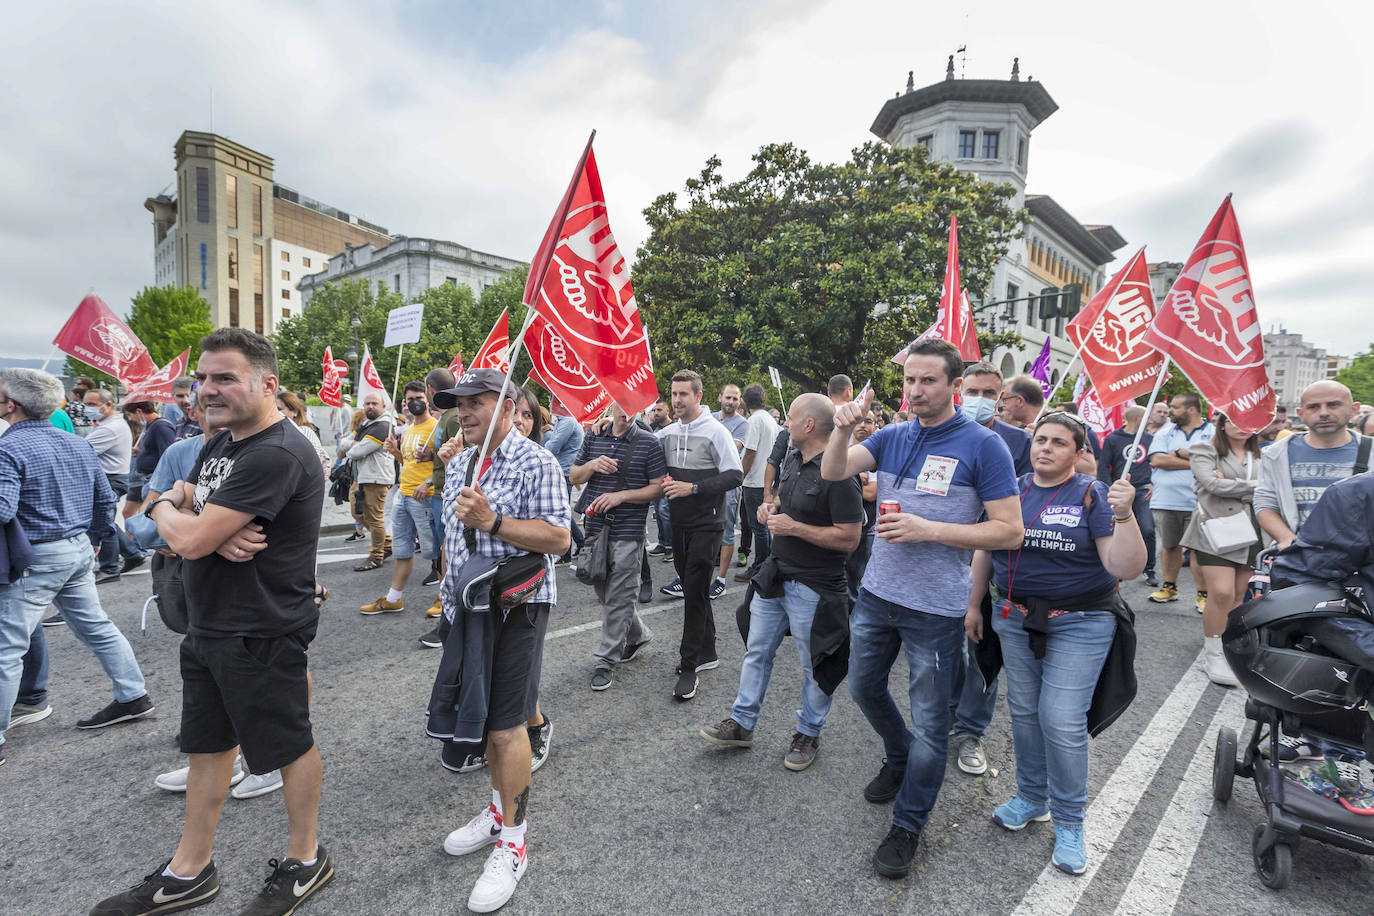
(505, 386)
(1140, 430)
(54, 352)
(396, 379)
(1067, 369)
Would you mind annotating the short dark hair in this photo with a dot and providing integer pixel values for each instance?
(1069, 421)
(439, 379)
(1281, 409)
(258, 350)
(145, 406)
(692, 378)
(1189, 400)
(416, 385)
(753, 396)
(1028, 390)
(933, 346)
(839, 384)
(982, 367)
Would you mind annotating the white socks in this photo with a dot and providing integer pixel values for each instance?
(393, 595)
(514, 837)
(171, 874)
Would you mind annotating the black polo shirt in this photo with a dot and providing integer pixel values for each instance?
(813, 500)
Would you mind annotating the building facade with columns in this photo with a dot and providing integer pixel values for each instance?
(410, 266)
(984, 127)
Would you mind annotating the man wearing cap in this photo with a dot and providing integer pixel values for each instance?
(514, 503)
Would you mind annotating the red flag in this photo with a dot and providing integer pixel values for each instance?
(1097, 416)
(1208, 325)
(495, 350)
(954, 319)
(332, 391)
(1110, 335)
(580, 283)
(562, 374)
(369, 379)
(158, 386)
(456, 367)
(94, 335)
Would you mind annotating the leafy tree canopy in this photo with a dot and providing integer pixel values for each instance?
(168, 319)
(1359, 377)
(813, 268)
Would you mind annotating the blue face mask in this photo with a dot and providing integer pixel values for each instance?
(979, 410)
(92, 413)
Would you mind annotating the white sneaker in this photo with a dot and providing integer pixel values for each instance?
(255, 785)
(505, 867)
(481, 831)
(175, 781)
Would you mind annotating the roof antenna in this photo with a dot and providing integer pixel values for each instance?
(963, 60)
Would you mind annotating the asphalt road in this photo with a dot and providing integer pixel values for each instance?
(633, 813)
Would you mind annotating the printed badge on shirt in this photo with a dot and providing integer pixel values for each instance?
(1065, 516)
(936, 475)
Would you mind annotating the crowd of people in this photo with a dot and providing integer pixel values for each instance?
(976, 532)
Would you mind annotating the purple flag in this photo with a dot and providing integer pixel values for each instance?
(1040, 369)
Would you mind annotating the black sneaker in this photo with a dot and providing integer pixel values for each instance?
(668, 555)
(601, 678)
(659, 550)
(541, 738)
(102, 578)
(686, 686)
(463, 756)
(884, 787)
(54, 621)
(119, 712)
(159, 893)
(632, 650)
(432, 639)
(895, 852)
(355, 536)
(1151, 579)
(673, 589)
(646, 592)
(289, 884)
(131, 563)
(717, 588)
(434, 575)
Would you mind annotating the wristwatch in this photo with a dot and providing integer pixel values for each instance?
(148, 509)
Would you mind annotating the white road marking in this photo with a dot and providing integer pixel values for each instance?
(1056, 892)
(666, 604)
(1159, 877)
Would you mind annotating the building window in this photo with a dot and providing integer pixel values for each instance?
(397, 287)
(231, 201)
(305, 262)
(1021, 152)
(286, 256)
(257, 289)
(286, 313)
(257, 209)
(202, 195)
(990, 142)
(968, 139)
(286, 294)
(233, 263)
(1013, 310)
(233, 307)
(286, 275)
(925, 142)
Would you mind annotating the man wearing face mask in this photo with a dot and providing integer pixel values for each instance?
(412, 514)
(375, 472)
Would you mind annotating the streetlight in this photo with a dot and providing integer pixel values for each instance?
(351, 353)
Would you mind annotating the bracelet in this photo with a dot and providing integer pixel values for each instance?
(496, 525)
(148, 512)
(1129, 516)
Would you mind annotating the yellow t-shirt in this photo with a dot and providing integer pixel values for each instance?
(414, 472)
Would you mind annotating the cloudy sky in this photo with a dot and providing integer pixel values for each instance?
(461, 120)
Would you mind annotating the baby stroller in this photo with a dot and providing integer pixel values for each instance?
(1305, 655)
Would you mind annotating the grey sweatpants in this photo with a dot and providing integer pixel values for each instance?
(620, 625)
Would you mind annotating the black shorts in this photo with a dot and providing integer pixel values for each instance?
(515, 666)
(247, 692)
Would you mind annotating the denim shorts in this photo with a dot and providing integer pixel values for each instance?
(732, 500)
(411, 518)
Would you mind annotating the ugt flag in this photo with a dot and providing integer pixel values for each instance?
(94, 335)
(331, 392)
(1208, 325)
(1100, 419)
(580, 284)
(1110, 335)
(158, 386)
(369, 380)
(954, 321)
(562, 374)
(495, 350)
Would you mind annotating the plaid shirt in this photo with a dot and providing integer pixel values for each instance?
(524, 481)
(51, 482)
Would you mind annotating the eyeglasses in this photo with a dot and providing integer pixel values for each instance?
(1059, 415)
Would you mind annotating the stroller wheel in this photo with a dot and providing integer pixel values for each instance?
(1224, 765)
(1273, 860)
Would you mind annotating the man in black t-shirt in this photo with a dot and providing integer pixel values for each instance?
(801, 587)
(247, 525)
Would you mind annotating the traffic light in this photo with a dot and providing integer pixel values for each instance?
(1049, 302)
(1070, 300)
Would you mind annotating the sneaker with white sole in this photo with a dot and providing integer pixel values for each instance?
(541, 739)
(175, 781)
(972, 760)
(159, 893)
(482, 830)
(1017, 813)
(21, 714)
(256, 785)
(117, 712)
(673, 589)
(289, 883)
(505, 867)
(717, 588)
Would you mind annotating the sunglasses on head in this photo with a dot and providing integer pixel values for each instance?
(1059, 415)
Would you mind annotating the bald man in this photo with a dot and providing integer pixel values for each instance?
(1295, 472)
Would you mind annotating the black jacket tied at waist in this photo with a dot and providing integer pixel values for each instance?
(829, 626)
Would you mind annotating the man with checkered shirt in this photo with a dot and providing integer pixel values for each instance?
(515, 503)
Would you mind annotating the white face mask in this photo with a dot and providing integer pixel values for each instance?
(979, 410)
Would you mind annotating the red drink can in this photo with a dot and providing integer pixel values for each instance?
(887, 506)
(589, 513)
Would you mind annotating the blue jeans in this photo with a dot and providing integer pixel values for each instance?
(33, 683)
(436, 521)
(975, 708)
(878, 629)
(857, 562)
(1049, 700)
(118, 544)
(62, 574)
(730, 534)
(769, 619)
(412, 520)
(1145, 519)
(663, 519)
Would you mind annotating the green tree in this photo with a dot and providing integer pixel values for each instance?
(810, 267)
(167, 319)
(1359, 376)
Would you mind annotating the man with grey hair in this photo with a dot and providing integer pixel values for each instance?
(800, 587)
(113, 442)
(52, 485)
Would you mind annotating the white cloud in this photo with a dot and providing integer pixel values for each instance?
(1163, 111)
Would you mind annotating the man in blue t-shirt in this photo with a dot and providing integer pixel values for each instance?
(1172, 498)
(946, 473)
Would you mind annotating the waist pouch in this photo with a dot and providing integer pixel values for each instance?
(517, 578)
